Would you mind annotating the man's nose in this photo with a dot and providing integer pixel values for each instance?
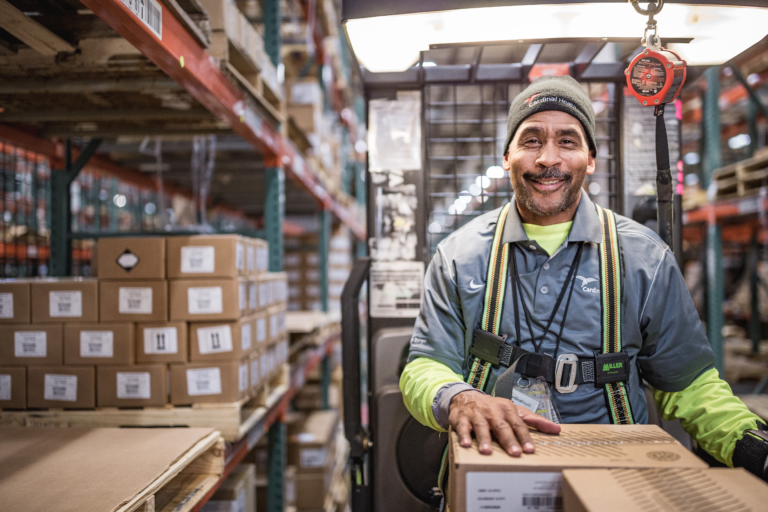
(549, 156)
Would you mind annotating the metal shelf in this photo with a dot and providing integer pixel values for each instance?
(183, 60)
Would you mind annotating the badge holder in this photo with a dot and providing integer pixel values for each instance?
(531, 390)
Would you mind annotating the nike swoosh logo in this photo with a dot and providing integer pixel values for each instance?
(474, 286)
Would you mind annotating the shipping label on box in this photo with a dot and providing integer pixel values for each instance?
(6, 306)
(60, 387)
(242, 296)
(161, 340)
(243, 377)
(204, 300)
(66, 304)
(135, 301)
(203, 381)
(198, 260)
(13, 387)
(254, 371)
(15, 301)
(205, 256)
(215, 339)
(240, 258)
(97, 344)
(30, 344)
(133, 385)
(253, 301)
(261, 329)
(245, 337)
(5, 387)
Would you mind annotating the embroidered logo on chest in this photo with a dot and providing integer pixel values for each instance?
(589, 284)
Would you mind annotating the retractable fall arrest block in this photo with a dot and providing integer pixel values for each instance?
(655, 77)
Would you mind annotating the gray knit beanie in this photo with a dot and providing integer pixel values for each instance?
(561, 93)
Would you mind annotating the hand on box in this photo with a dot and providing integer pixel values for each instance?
(482, 414)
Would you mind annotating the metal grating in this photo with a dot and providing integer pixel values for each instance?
(464, 130)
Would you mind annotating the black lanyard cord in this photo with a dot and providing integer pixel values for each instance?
(569, 280)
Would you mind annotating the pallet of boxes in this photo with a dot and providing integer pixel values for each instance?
(173, 321)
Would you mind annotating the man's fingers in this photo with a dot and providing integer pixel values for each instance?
(520, 428)
(483, 434)
(538, 422)
(506, 436)
(463, 429)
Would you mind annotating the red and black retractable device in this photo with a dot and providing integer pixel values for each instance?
(655, 77)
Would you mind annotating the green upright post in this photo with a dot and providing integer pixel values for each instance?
(274, 212)
(61, 207)
(272, 30)
(325, 381)
(713, 160)
(323, 247)
(276, 467)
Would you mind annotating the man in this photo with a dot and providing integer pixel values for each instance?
(554, 233)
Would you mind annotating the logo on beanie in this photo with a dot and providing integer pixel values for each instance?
(528, 100)
(550, 99)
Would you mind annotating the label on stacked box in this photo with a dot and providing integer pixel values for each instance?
(203, 381)
(96, 344)
(313, 457)
(5, 387)
(243, 377)
(212, 340)
(6, 305)
(65, 304)
(261, 330)
(254, 371)
(205, 300)
(30, 344)
(136, 301)
(160, 340)
(251, 259)
(252, 297)
(133, 385)
(245, 337)
(239, 257)
(198, 260)
(242, 296)
(60, 387)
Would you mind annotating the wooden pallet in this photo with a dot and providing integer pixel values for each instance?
(742, 179)
(186, 482)
(233, 420)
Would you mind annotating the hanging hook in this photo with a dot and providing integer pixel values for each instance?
(653, 8)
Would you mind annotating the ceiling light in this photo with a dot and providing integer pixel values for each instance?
(460, 206)
(464, 196)
(452, 209)
(475, 189)
(739, 141)
(719, 33)
(119, 200)
(435, 227)
(691, 158)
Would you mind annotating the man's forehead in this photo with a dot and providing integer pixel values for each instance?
(552, 120)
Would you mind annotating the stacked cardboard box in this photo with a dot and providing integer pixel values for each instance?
(229, 22)
(312, 451)
(302, 267)
(199, 309)
(237, 493)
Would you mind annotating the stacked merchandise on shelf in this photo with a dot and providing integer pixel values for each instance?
(302, 266)
(199, 312)
(237, 493)
(316, 476)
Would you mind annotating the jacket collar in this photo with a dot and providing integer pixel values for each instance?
(586, 224)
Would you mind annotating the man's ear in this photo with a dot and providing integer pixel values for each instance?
(507, 165)
(591, 163)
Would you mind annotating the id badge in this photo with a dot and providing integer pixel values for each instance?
(536, 397)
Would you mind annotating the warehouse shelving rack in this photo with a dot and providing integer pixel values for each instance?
(180, 56)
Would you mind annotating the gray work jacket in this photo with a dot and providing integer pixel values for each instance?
(660, 327)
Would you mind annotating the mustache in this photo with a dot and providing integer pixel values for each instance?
(551, 173)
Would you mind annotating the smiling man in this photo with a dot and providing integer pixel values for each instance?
(573, 299)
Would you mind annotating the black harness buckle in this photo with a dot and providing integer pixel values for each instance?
(611, 368)
(487, 346)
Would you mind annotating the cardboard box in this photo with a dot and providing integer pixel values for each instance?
(100, 344)
(242, 296)
(261, 329)
(279, 287)
(61, 387)
(131, 258)
(312, 489)
(289, 484)
(220, 382)
(310, 397)
(265, 290)
(275, 322)
(262, 255)
(237, 493)
(14, 301)
(205, 256)
(310, 449)
(65, 300)
(250, 256)
(132, 386)
(671, 490)
(13, 387)
(31, 345)
(201, 300)
(221, 341)
(253, 295)
(161, 342)
(538, 476)
(133, 301)
(254, 370)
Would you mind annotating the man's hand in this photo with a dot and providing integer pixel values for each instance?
(484, 413)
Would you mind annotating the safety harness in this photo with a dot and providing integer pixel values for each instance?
(490, 349)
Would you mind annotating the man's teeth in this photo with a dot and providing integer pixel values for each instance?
(548, 182)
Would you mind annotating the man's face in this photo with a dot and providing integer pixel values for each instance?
(547, 161)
